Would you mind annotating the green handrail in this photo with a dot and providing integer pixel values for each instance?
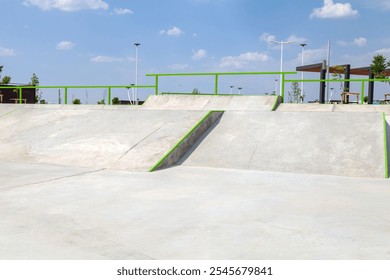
(20, 88)
(216, 77)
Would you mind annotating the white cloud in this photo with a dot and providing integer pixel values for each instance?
(296, 39)
(121, 11)
(385, 52)
(334, 10)
(174, 31)
(106, 59)
(311, 56)
(65, 46)
(243, 60)
(199, 54)
(67, 5)
(7, 52)
(179, 66)
(360, 42)
(268, 38)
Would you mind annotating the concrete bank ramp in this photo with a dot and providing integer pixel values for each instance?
(346, 144)
(286, 107)
(212, 102)
(91, 136)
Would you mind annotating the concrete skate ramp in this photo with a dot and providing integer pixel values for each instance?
(212, 102)
(91, 136)
(347, 144)
(286, 107)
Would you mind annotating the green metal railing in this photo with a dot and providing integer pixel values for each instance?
(362, 81)
(20, 89)
(216, 76)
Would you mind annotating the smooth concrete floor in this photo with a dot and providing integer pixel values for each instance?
(56, 212)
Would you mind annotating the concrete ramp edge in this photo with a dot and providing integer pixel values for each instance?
(187, 141)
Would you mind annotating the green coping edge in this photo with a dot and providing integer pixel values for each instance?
(385, 146)
(276, 103)
(181, 141)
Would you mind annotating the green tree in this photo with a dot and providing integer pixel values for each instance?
(115, 101)
(295, 95)
(6, 79)
(35, 82)
(76, 101)
(101, 102)
(195, 91)
(378, 67)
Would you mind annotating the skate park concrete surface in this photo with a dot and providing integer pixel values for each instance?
(69, 191)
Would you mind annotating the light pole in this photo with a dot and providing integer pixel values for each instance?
(231, 89)
(303, 52)
(282, 43)
(136, 72)
(239, 90)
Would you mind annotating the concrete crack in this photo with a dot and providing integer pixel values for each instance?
(150, 134)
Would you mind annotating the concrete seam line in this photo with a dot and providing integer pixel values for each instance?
(385, 145)
(9, 113)
(159, 162)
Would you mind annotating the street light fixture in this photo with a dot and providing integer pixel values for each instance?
(282, 43)
(231, 89)
(136, 72)
(239, 90)
(303, 45)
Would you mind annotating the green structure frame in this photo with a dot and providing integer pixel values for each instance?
(216, 76)
(362, 81)
(20, 88)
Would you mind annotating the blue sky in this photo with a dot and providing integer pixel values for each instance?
(91, 42)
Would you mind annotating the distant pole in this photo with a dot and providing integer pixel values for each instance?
(328, 73)
(231, 89)
(239, 90)
(136, 71)
(276, 86)
(282, 43)
(302, 84)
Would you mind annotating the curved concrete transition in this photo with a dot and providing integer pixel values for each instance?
(68, 189)
(212, 102)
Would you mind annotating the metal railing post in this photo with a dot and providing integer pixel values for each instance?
(156, 84)
(20, 95)
(216, 84)
(283, 86)
(362, 94)
(65, 95)
(109, 96)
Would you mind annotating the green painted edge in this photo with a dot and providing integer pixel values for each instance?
(385, 146)
(154, 167)
(275, 103)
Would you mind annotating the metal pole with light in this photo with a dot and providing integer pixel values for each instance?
(136, 72)
(281, 61)
(302, 84)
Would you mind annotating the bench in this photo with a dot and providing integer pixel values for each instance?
(345, 97)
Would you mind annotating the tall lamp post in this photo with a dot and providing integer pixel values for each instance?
(282, 43)
(302, 84)
(136, 72)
